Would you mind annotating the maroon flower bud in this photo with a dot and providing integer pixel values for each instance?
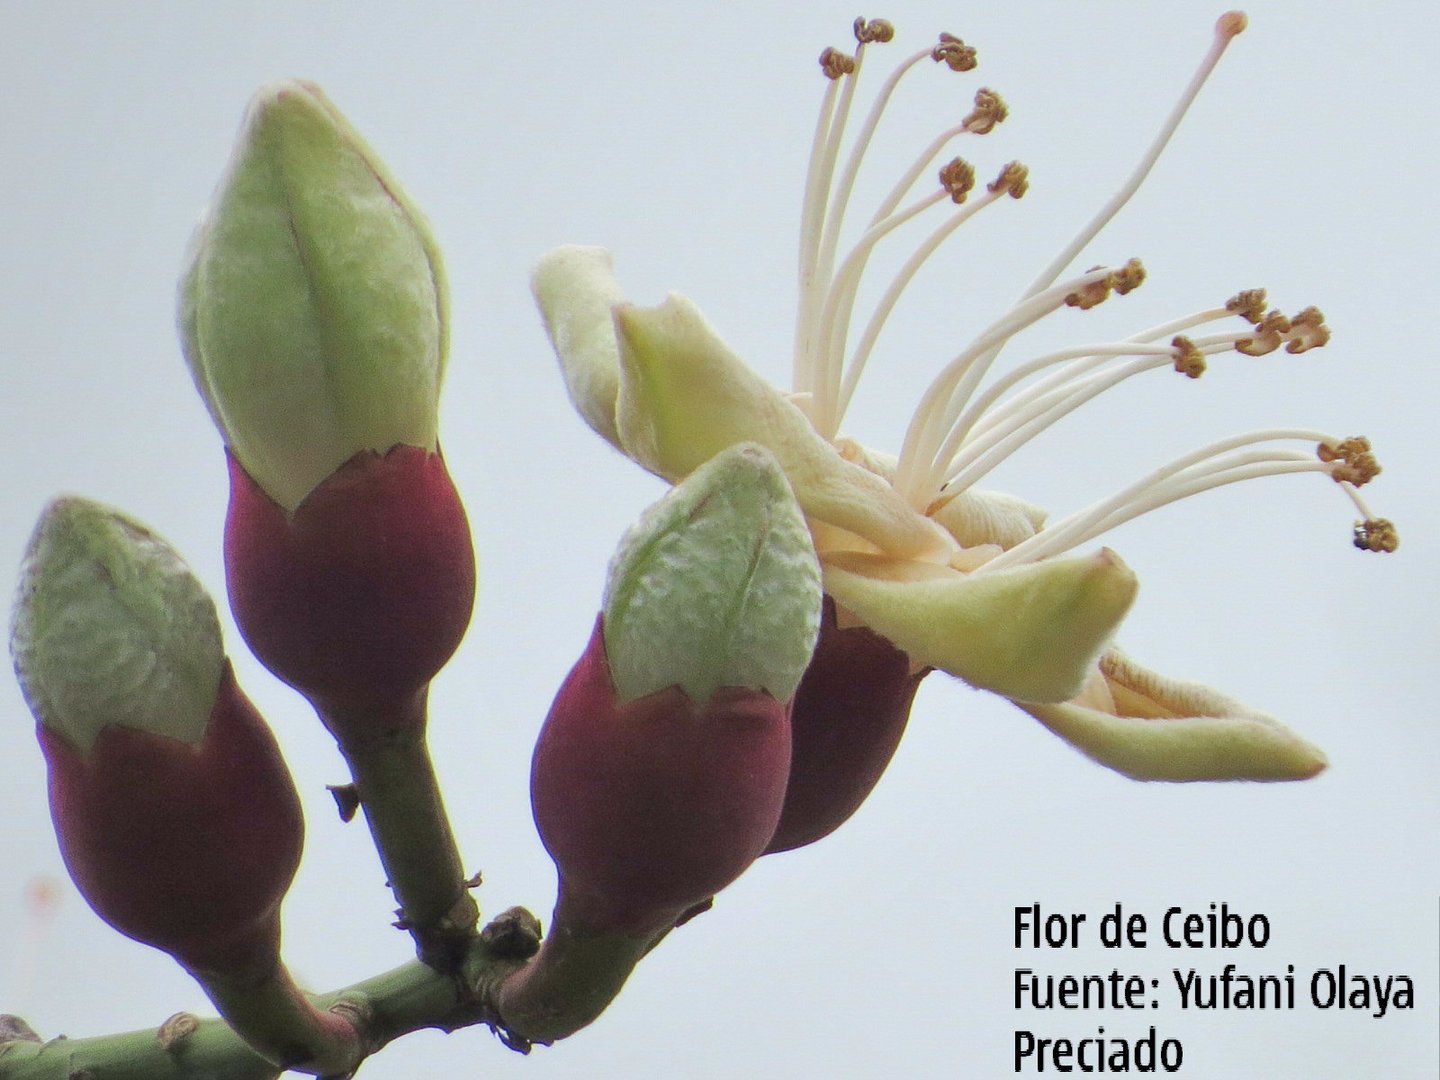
(849, 714)
(661, 770)
(653, 805)
(174, 810)
(361, 595)
(186, 848)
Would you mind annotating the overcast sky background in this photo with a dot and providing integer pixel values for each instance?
(677, 134)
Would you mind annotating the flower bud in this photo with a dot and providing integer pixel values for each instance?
(361, 596)
(313, 305)
(660, 772)
(174, 810)
(849, 714)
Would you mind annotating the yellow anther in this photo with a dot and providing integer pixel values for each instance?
(1122, 281)
(989, 110)
(958, 179)
(1307, 331)
(1376, 534)
(1344, 450)
(836, 64)
(1189, 361)
(1270, 331)
(1249, 304)
(1097, 292)
(1014, 180)
(954, 53)
(1130, 276)
(870, 30)
(1356, 471)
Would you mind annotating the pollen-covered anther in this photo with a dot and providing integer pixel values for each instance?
(1376, 534)
(868, 30)
(1121, 281)
(990, 109)
(1356, 471)
(954, 53)
(1189, 361)
(1249, 304)
(1130, 276)
(1307, 331)
(1014, 180)
(1269, 333)
(1345, 449)
(836, 64)
(1097, 292)
(957, 177)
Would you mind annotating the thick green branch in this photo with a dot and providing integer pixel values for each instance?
(409, 998)
(398, 792)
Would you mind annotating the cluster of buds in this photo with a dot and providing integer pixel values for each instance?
(763, 630)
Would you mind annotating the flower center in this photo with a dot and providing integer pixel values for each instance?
(963, 427)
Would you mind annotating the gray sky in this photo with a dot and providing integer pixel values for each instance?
(677, 135)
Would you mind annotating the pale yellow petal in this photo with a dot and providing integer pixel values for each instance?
(1156, 728)
(684, 397)
(974, 517)
(1031, 633)
(576, 290)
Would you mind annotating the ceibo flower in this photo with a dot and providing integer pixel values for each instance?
(982, 585)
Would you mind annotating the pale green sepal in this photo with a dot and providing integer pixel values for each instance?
(576, 290)
(716, 585)
(111, 628)
(313, 305)
(1178, 731)
(1031, 632)
(684, 397)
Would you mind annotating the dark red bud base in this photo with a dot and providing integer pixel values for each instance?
(186, 848)
(652, 806)
(361, 596)
(849, 714)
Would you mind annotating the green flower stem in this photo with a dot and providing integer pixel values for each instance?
(400, 796)
(383, 1008)
(275, 1017)
(569, 984)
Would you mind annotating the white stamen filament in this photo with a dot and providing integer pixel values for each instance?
(920, 164)
(901, 281)
(811, 221)
(1041, 406)
(922, 438)
(1225, 29)
(1157, 487)
(817, 213)
(991, 445)
(975, 433)
(838, 309)
(959, 434)
(840, 200)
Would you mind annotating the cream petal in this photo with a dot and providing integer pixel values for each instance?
(684, 397)
(1169, 729)
(576, 289)
(974, 517)
(1031, 633)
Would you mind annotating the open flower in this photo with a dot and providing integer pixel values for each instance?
(978, 584)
